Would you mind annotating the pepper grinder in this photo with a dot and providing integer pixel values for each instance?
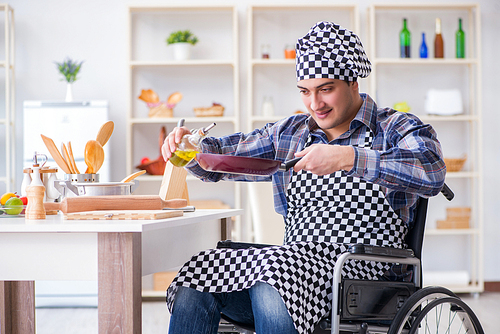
(36, 193)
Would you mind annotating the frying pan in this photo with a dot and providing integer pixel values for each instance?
(242, 165)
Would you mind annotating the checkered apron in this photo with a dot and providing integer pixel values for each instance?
(325, 215)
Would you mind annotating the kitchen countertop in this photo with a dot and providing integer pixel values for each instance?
(57, 223)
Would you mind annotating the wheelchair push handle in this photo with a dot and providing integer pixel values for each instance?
(446, 191)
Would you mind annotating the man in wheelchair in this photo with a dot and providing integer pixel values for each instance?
(362, 171)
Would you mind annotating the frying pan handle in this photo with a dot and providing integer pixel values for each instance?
(447, 192)
(289, 164)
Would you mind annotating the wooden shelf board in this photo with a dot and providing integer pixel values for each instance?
(425, 61)
(455, 118)
(302, 6)
(458, 175)
(146, 8)
(452, 231)
(175, 120)
(425, 6)
(469, 288)
(190, 62)
(272, 62)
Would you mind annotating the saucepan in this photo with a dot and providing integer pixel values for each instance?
(242, 165)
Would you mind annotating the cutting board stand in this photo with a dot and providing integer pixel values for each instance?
(173, 184)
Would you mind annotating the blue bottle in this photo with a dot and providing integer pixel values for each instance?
(423, 47)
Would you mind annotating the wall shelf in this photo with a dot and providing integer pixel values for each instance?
(458, 134)
(214, 65)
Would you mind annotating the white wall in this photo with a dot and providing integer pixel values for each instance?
(96, 32)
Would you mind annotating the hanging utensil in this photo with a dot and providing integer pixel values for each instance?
(94, 156)
(105, 132)
(56, 155)
(133, 176)
(72, 159)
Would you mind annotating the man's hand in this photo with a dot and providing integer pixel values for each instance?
(170, 144)
(322, 159)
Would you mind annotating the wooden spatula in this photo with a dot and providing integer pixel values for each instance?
(72, 159)
(56, 155)
(105, 132)
(65, 155)
(133, 176)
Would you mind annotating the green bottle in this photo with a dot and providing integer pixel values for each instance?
(460, 41)
(405, 41)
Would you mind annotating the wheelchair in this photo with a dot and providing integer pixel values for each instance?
(382, 306)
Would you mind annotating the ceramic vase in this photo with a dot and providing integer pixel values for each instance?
(69, 92)
(182, 51)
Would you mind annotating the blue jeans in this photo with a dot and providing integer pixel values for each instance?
(195, 312)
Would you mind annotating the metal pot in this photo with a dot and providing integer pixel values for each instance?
(89, 185)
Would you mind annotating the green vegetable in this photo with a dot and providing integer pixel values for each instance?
(69, 69)
(182, 36)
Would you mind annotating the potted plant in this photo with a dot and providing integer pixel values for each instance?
(69, 70)
(182, 41)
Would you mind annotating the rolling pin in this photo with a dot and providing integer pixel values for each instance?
(114, 202)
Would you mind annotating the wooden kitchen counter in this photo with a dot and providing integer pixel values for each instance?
(116, 253)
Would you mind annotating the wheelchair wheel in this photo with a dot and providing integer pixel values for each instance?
(435, 310)
(446, 315)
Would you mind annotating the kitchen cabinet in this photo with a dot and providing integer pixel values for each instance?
(210, 76)
(395, 79)
(271, 77)
(7, 96)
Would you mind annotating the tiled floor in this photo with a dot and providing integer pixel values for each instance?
(156, 317)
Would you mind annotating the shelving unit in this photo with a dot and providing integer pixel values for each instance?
(7, 113)
(211, 75)
(459, 249)
(275, 76)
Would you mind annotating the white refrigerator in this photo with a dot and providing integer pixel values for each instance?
(77, 122)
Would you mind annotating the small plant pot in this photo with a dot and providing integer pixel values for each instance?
(182, 51)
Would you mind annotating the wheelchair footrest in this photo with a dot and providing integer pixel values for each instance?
(373, 300)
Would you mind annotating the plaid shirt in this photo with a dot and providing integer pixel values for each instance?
(405, 157)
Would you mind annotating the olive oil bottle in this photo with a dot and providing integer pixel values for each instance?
(189, 147)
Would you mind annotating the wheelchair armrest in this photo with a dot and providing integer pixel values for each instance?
(239, 245)
(381, 251)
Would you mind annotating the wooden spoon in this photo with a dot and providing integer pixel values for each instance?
(65, 155)
(72, 159)
(56, 155)
(105, 132)
(94, 156)
(133, 176)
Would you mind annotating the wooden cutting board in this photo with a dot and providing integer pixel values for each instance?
(123, 215)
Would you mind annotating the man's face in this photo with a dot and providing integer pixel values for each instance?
(331, 102)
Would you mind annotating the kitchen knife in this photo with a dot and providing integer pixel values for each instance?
(114, 202)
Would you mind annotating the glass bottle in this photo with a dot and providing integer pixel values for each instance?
(423, 47)
(460, 40)
(404, 41)
(189, 146)
(438, 41)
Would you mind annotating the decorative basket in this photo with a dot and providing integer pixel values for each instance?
(455, 165)
(458, 217)
(161, 110)
(212, 111)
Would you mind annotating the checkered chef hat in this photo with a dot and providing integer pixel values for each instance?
(331, 51)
